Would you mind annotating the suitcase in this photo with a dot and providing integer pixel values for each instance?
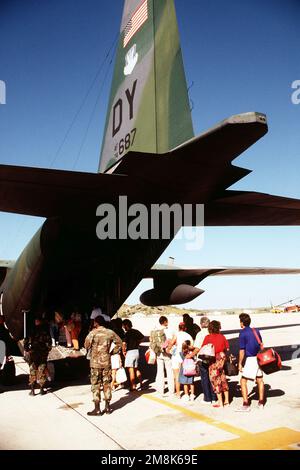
(269, 360)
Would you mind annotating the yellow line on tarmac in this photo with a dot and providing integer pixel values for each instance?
(279, 438)
(206, 419)
(268, 440)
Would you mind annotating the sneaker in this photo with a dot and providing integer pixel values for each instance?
(216, 404)
(204, 402)
(243, 408)
(163, 395)
(260, 406)
(185, 398)
(192, 397)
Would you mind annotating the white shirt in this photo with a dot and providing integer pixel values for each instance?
(200, 337)
(169, 333)
(97, 312)
(181, 337)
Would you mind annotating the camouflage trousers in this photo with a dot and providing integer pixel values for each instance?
(37, 373)
(101, 378)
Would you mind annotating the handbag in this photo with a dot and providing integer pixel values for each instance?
(150, 356)
(268, 359)
(231, 366)
(207, 354)
(189, 367)
(121, 376)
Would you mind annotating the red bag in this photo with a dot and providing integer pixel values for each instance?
(150, 356)
(268, 359)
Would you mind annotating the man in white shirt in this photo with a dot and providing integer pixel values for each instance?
(163, 361)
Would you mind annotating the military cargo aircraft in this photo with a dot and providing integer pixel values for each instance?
(150, 155)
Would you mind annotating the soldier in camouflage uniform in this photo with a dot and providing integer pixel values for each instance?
(99, 342)
(37, 347)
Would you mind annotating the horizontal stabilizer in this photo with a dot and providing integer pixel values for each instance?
(238, 208)
(203, 164)
(49, 193)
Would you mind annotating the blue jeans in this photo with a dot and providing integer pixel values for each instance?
(208, 392)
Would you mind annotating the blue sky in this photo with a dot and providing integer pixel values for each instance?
(239, 56)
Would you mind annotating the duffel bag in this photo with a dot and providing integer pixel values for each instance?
(268, 359)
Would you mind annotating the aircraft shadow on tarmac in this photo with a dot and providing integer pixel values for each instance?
(287, 352)
(261, 328)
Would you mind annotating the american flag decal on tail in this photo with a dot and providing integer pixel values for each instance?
(137, 20)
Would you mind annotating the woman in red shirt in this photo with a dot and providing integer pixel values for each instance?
(216, 370)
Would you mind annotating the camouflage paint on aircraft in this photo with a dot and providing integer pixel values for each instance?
(148, 93)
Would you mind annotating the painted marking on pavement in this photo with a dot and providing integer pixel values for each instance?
(279, 438)
(206, 419)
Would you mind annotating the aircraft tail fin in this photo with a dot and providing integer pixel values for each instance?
(148, 108)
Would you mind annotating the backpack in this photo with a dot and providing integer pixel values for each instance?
(157, 340)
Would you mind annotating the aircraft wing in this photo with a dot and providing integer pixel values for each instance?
(174, 285)
(197, 274)
(8, 264)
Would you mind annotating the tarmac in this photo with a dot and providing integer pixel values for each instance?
(146, 421)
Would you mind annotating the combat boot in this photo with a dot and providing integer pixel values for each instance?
(31, 393)
(96, 410)
(107, 408)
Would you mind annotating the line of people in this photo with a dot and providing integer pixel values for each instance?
(114, 344)
(172, 348)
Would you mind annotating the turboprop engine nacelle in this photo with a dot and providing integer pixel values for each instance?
(180, 294)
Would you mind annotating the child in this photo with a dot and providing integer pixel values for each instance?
(187, 382)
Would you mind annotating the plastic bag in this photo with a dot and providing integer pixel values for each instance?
(121, 376)
(150, 357)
